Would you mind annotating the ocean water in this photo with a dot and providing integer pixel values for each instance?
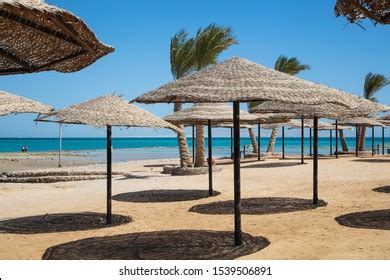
(158, 148)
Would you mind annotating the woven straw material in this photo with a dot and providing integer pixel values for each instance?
(309, 123)
(10, 103)
(325, 110)
(105, 111)
(361, 121)
(238, 79)
(203, 112)
(35, 37)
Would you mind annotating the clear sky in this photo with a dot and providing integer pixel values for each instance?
(340, 54)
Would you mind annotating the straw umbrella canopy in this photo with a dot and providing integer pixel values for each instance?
(239, 80)
(38, 37)
(208, 114)
(362, 121)
(107, 111)
(13, 104)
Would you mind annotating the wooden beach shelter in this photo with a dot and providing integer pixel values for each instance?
(13, 104)
(106, 112)
(209, 114)
(363, 121)
(35, 36)
(239, 80)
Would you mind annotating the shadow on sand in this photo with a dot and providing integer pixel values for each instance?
(385, 189)
(258, 206)
(162, 245)
(272, 164)
(378, 219)
(60, 223)
(163, 196)
(373, 160)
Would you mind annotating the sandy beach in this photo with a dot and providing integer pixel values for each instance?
(346, 185)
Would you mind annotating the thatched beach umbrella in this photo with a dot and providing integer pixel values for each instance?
(35, 36)
(208, 114)
(13, 104)
(239, 80)
(362, 121)
(107, 111)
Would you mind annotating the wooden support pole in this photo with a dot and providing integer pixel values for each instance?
(337, 139)
(383, 141)
(60, 147)
(193, 144)
(315, 163)
(283, 151)
(311, 141)
(302, 140)
(109, 175)
(237, 175)
(210, 159)
(258, 142)
(373, 141)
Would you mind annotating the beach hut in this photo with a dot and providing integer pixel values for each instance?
(208, 114)
(239, 80)
(35, 36)
(362, 121)
(13, 104)
(106, 112)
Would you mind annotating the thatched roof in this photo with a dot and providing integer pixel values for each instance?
(309, 123)
(230, 125)
(10, 103)
(361, 121)
(376, 10)
(105, 111)
(326, 110)
(38, 37)
(238, 79)
(201, 113)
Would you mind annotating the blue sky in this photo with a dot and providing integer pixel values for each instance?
(340, 54)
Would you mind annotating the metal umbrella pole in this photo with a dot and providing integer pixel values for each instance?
(383, 141)
(283, 152)
(373, 140)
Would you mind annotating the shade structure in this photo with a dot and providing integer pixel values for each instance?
(201, 113)
(10, 103)
(358, 107)
(361, 121)
(35, 36)
(239, 80)
(209, 114)
(107, 111)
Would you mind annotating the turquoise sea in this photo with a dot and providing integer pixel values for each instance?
(156, 148)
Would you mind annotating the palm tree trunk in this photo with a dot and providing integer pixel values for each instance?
(342, 140)
(253, 140)
(185, 158)
(272, 140)
(362, 144)
(199, 161)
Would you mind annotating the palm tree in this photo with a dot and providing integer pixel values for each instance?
(291, 66)
(181, 57)
(372, 84)
(209, 43)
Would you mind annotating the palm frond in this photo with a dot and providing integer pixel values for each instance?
(372, 84)
(290, 66)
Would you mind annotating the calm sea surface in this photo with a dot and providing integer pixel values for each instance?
(155, 148)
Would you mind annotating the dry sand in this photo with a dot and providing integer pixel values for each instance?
(346, 184)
